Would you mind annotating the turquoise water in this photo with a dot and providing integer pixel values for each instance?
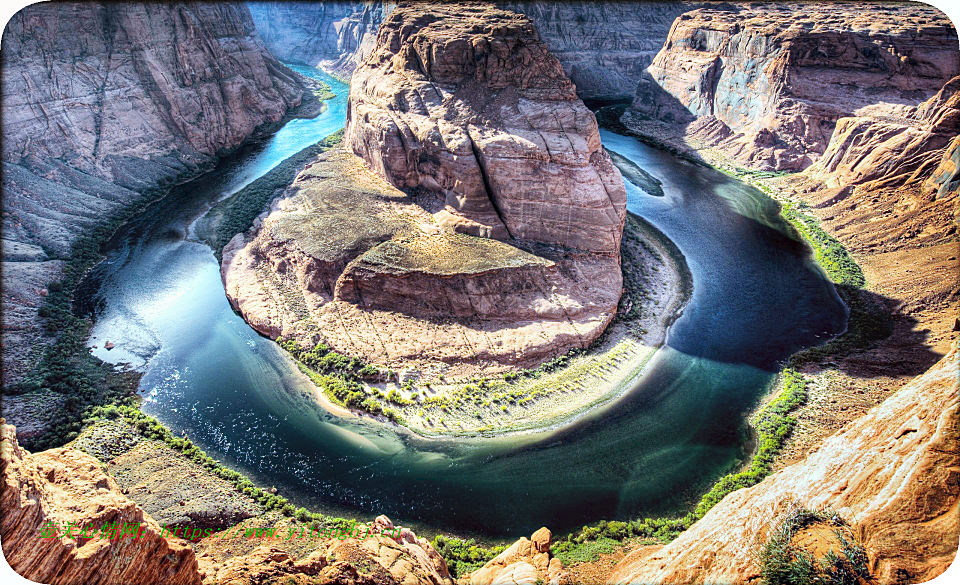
(757, 298)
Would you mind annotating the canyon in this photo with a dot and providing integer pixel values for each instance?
(471, 223)
(147, 95)
(492, 217)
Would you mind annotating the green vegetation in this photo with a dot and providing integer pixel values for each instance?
(571, 553)
(240, 209)
(783, 563)
(773, 425)
(450, 254)
(150, 428)
(463, 556)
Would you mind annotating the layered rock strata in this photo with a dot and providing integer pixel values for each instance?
(462, 108)
(58, 487)
(892, 474)
(104, 101)
(765, 85)
(466, 102)
(350, 260)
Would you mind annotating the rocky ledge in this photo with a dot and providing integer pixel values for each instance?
(472, 222)
(765, 85)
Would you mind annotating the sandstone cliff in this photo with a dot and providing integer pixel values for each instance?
(463, 108)
(104, 101)
(350, 260)
(63, 486)
(891, 473)
(467, 103)
(334, 36)
(766, 85)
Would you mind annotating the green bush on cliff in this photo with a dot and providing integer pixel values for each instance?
(463, 556)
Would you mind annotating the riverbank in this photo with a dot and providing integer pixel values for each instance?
(561, 391)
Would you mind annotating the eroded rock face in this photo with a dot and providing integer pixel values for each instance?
(347, 259)
(102, 101)
(525, 562)
(65, 485)
(768, 83)
(892, 473)
(467, 103)
(334, 36)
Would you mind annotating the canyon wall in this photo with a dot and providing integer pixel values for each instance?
(892, 473)
(41, 494)
(104, 101)
(468, 103)
(604, 46)
(334, 36)
(767, 84)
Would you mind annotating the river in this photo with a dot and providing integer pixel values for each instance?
(757, 298)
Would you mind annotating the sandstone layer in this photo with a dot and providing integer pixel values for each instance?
(62, 486)
(892, 473)
(105, 101)
(466, 102)
(347, 259)
(765, 85)
(525, 562)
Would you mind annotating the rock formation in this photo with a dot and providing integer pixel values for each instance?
(463, 108)
(61, 486)
(766, 85)
(389, 285)
(467, 103)
(334, 36)
(104, 101)
(368, 560)
(604, 46)
(525, 562)
(892, 474)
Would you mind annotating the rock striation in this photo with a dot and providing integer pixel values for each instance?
(467, 103)
(345, 258)
(62, 486)
(105, 101)
(525, 562)
(765, 85)
(491, 220)
(892, 473)
(334, 36)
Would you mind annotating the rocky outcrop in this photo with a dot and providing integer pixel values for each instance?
(365, 557)
(468, 104)
(525, 562)
(334, 36)
(104, 101)
(892, 473)
(64, 487)
(767, 84)
(350, 260)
